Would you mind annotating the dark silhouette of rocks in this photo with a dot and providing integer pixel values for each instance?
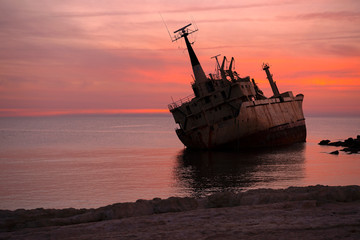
(351, 145)
(324, 142)
(335, 152)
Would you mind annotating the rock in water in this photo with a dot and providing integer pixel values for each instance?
(352, 145)
(324, 142)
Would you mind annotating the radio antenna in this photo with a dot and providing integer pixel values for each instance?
(193, 20)
(166, 27)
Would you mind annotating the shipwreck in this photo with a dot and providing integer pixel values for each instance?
(227, 111)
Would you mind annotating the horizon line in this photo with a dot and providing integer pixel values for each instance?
(63, 112)
(23, 112)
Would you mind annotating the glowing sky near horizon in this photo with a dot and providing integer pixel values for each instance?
(115, 56)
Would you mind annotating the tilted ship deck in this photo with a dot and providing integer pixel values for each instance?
(231, 112)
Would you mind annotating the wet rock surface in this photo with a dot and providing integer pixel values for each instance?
(352, 145)
(314, 212)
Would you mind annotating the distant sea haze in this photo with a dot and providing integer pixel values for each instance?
(93, 161)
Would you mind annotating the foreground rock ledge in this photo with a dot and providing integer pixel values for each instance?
(314, 212)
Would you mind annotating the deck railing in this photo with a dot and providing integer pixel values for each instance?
(178, 103)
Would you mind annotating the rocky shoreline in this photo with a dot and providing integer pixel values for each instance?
(337, 207)
(352, 145)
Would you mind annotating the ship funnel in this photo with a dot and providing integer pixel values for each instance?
(274, 88)
(199, 73)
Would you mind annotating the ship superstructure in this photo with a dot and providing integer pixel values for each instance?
(227, 111)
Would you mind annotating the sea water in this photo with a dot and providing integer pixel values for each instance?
(93, 161)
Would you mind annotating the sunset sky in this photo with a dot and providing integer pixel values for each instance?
(115, 56)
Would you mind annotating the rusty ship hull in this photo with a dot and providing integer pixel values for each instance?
(258, 124)
(231, 112)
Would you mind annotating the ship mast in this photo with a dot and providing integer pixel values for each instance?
(199, 73)
(271, 81)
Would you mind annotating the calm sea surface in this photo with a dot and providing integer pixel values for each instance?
(93, 161)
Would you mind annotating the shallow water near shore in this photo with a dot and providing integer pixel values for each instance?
(93, 161)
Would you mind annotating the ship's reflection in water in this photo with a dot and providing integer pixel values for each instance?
(200, 173)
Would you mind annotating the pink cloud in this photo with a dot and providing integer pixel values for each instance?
(86, 55)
